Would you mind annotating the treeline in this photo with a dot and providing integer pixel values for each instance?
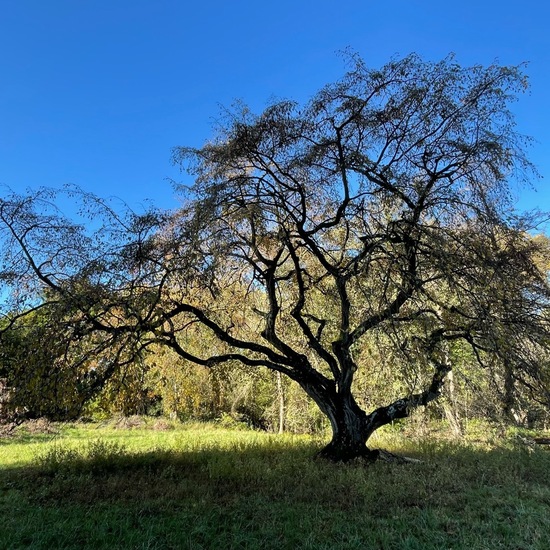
(39, 380)
(263, 400)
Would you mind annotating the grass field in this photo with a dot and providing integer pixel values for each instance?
(206, 487)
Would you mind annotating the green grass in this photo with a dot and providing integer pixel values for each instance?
(205, 487)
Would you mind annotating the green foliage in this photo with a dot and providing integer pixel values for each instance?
(127, 392)
(185, 391)
(35, 369)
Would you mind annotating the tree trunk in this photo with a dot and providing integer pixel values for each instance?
(347, 421)
(348, 442)
(351, 426)
(451, 408)
(348, 424)
(281, 400)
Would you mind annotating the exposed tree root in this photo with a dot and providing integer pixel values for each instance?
(367, 457)
(386, 456)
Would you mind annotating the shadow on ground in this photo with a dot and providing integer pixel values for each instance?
(258, 496)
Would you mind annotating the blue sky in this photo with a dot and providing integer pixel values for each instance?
(97, 92)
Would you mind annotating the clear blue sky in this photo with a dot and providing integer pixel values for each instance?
(97, 92)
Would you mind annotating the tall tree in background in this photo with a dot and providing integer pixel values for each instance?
(379, 210)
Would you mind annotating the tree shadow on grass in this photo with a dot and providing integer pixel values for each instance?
(278, 496)
(105, 471)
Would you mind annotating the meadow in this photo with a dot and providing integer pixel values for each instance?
(203, 486)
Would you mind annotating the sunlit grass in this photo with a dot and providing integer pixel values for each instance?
(203, 486)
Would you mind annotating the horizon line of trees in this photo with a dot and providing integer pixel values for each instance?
(39, 382)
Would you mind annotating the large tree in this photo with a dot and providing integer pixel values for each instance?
(379, 211)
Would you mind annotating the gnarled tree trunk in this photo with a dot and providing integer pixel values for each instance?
(352, 427)
(349, 435)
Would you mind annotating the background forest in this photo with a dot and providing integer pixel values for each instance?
(161, 384)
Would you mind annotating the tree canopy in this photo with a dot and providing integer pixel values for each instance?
(380, 211)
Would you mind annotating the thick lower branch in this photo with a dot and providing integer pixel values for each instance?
(403, 407)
